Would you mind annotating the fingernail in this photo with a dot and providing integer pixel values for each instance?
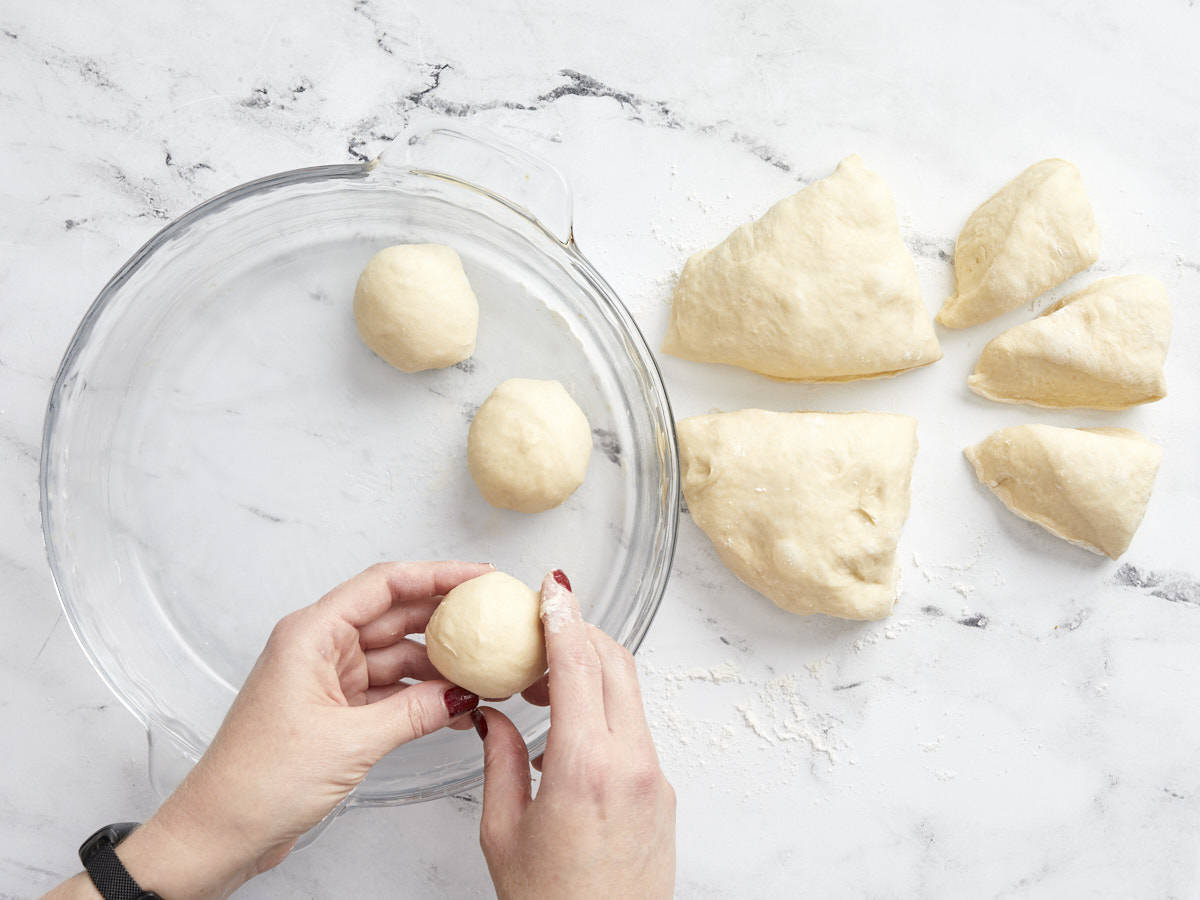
(561, 578)
(459, 700)
(480, 721)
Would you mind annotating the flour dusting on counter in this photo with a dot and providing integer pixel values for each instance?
(721, 707)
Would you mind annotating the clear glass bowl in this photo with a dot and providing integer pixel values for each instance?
(220, 447)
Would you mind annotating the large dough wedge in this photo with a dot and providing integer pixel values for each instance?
(821, 288)
(807, 507)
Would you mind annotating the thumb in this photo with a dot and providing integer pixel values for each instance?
(506, 782)
(410, 713)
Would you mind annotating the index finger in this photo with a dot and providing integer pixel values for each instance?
(371, 593)
(575, 679)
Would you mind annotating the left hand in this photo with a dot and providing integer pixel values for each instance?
(322, 705)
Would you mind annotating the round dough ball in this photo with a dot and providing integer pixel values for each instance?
(529, 445)
(486, 636)
(415, 308)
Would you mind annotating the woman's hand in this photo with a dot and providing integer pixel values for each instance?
(603, 822)
(321, 706)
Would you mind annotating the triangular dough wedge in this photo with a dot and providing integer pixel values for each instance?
(1089, 486)
(1035, 232)
(804, 507)
(1101, 348)
(821, 288)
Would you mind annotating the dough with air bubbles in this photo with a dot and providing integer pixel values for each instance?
(486, 636)
(1089, 486)
(805, 507)
(821, 288)
(529, 445)
(1035, 232)
(415, 308)
(1100, 348)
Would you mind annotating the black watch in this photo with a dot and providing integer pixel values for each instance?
(104, 867)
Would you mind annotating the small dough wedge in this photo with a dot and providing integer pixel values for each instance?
(1100, 348)
(1089, 486)
(804, 507)
(821, 288)
(1035, 232)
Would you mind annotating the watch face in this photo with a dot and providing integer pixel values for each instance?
(109, 834)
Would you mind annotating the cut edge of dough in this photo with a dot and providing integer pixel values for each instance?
(673, 349)
(976, 381)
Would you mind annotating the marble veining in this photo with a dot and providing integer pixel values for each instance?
(1021, 726)
(1173, 587)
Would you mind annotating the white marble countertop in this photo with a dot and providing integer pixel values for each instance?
(1025, 725)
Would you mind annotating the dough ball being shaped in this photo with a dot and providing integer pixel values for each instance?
(821, 288)
(529, 445)
(414, 307)
(806, 508)
(486, 635)
(1100, 348)
(1089, 486)
(1035, 232)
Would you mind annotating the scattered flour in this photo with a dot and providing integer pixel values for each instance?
(970, 562)
(892, 630)
(751, 719)
(817, 669)
(742, 715)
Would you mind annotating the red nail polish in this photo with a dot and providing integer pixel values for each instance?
(480, 721)
(459, 700)
(561, 578)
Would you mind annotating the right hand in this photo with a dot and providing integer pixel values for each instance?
(603, 822)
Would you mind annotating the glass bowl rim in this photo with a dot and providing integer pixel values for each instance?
(600, 289)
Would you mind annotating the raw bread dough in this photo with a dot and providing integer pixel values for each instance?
(1035, 232)
(529, 445)
(1089, 486)
(486, 636)
(1101, 348)
(804, 507)
(415, 308)
(821, 288)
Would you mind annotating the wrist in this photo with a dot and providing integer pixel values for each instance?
(180, 857)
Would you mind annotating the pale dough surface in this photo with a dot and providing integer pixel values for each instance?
(1089, 486)
(806, 507)
(486, 635)
(415, 308)
(821, 288)
(1035, 232)
(529, 445)
(1101, 348)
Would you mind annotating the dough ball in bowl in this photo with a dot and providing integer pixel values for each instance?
(486, 636)
(529, 445)
(415, 308)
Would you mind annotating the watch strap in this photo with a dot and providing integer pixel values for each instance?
(109, 875)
